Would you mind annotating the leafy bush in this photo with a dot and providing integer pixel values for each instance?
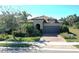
(77, 25)
(64, 28)
(36, 33)
(30, 30)
(3, 37)
(19, 34)
(9, 31)
(33, 32)
(27, 31)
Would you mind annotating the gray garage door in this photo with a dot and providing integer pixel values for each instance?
(51, 29)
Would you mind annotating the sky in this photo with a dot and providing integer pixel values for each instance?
(55, 11)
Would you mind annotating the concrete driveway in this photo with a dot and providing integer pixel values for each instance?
(55, 38)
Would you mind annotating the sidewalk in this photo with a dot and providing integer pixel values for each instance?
(42, 47)
(33, 50)
(43, 42)
(63, 45)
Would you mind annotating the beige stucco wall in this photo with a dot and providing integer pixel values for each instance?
(38, 22)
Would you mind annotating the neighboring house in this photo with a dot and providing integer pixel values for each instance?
(47, 24)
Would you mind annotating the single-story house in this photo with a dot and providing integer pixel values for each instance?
(47, 24)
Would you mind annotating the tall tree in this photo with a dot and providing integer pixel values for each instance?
(10, 21)
(71, 19)
(24, 16)
(63, 20)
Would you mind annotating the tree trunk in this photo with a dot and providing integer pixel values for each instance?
(13, 34)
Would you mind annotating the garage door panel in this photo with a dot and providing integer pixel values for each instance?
(51, 29)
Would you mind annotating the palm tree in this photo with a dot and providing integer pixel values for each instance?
(24, 16)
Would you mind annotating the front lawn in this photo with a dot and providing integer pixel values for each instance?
(75, 31)
(6, 37)
(14, 45)
(74, 38)
(25, 39)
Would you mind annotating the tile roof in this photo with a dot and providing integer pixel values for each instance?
(45, 18)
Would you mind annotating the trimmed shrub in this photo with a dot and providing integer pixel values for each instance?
(64, 28)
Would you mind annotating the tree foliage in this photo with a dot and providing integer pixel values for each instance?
(70, 20)
(10, 20)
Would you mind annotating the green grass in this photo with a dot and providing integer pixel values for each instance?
(26, 39)
(7, 37)
(77, 46)
(72, 30)
(14, 45)
(75, 31)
